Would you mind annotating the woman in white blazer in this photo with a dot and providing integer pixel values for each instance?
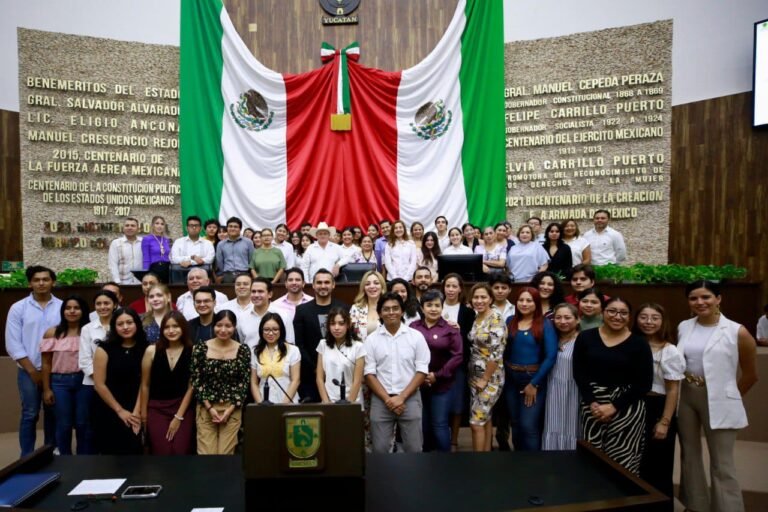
(714, 349)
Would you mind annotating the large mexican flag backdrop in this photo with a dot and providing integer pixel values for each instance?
(425, 141)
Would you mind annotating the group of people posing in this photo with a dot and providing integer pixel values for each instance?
(415, 353)
(395, 249)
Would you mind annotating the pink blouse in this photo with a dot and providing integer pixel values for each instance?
(65, 351)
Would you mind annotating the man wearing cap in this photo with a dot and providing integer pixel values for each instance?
(323, 253)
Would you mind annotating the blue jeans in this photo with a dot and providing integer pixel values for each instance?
(31, 399)
(435, 419)
(527, 422)
(73, 407)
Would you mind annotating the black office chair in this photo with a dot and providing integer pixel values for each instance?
(354, 272)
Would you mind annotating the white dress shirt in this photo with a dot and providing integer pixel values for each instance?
(235, 307)
(186, 304)
(351, 253)
(507, 312)
(462, 249)
(184, 248)
(125, 256)
(92, 333)
(443, 241)
(400, 260)
(317, 257)
(607, 246)
(395, 360)
(248, 326)
(290, 256)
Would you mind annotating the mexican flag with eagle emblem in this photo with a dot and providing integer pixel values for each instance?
(424, 141)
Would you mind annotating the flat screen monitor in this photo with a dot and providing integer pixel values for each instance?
(760, 75)
(468, 266)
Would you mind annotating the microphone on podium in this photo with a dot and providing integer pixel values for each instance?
(265, 397)
(266, 390)
(342, 390)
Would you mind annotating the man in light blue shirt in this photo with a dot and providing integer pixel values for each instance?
(28, 319)
(233, 254)
(381, 243)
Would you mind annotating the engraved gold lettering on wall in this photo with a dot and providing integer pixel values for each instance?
(99, 127)
(588, 121)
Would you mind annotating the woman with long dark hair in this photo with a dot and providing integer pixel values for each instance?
(720, 362)
(63, 380)
(403, 288)
(305, 240)
(275, 360)
(560, 258)
(117, 381)
(430, 250)
(530, 355)
(166, 389)
(651, 322)
(614, 371)
(340, 357)
(468, 236)
(550, 291)
(400, 253)
(220, 376)
(295, 240)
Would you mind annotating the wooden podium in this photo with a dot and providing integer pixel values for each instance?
(300, 456)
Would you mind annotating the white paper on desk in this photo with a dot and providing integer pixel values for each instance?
(208, 509)
(102, 486)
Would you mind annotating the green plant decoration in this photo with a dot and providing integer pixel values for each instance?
(67, 277)
(641, 273)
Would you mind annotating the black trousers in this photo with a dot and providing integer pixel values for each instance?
(659, 456)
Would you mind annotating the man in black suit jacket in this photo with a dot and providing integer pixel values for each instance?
(309, 325)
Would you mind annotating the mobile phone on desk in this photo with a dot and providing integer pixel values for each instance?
(139, 492)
